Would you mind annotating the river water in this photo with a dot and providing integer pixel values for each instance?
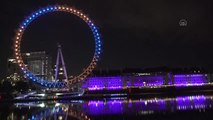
(196, 107)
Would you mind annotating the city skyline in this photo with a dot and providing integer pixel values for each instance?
(132, 36)
(112, 59)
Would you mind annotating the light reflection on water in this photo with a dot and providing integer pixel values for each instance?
(96, 109)
(149, 106)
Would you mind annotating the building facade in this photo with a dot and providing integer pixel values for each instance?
(13, 72)
(39, 63)
(144, 80)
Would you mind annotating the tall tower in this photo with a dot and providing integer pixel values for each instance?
(60, 71)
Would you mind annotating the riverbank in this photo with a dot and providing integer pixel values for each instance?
(169, 91)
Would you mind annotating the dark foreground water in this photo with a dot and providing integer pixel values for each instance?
(199, 107)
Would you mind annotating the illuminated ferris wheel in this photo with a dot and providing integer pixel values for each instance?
(49, 83)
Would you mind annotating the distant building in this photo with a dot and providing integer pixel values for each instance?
(13, 71)
(39, 63)
(140, 80)
(12, 66)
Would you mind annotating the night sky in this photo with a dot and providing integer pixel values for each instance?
(135, 33)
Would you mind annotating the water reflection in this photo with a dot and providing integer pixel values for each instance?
(93, 109)
(148, 106)
(43, 111)
(59, 113)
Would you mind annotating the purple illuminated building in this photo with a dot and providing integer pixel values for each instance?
(147, 80)
(100, 83)
(190, 79)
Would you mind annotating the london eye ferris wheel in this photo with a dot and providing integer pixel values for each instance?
(48, 83)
